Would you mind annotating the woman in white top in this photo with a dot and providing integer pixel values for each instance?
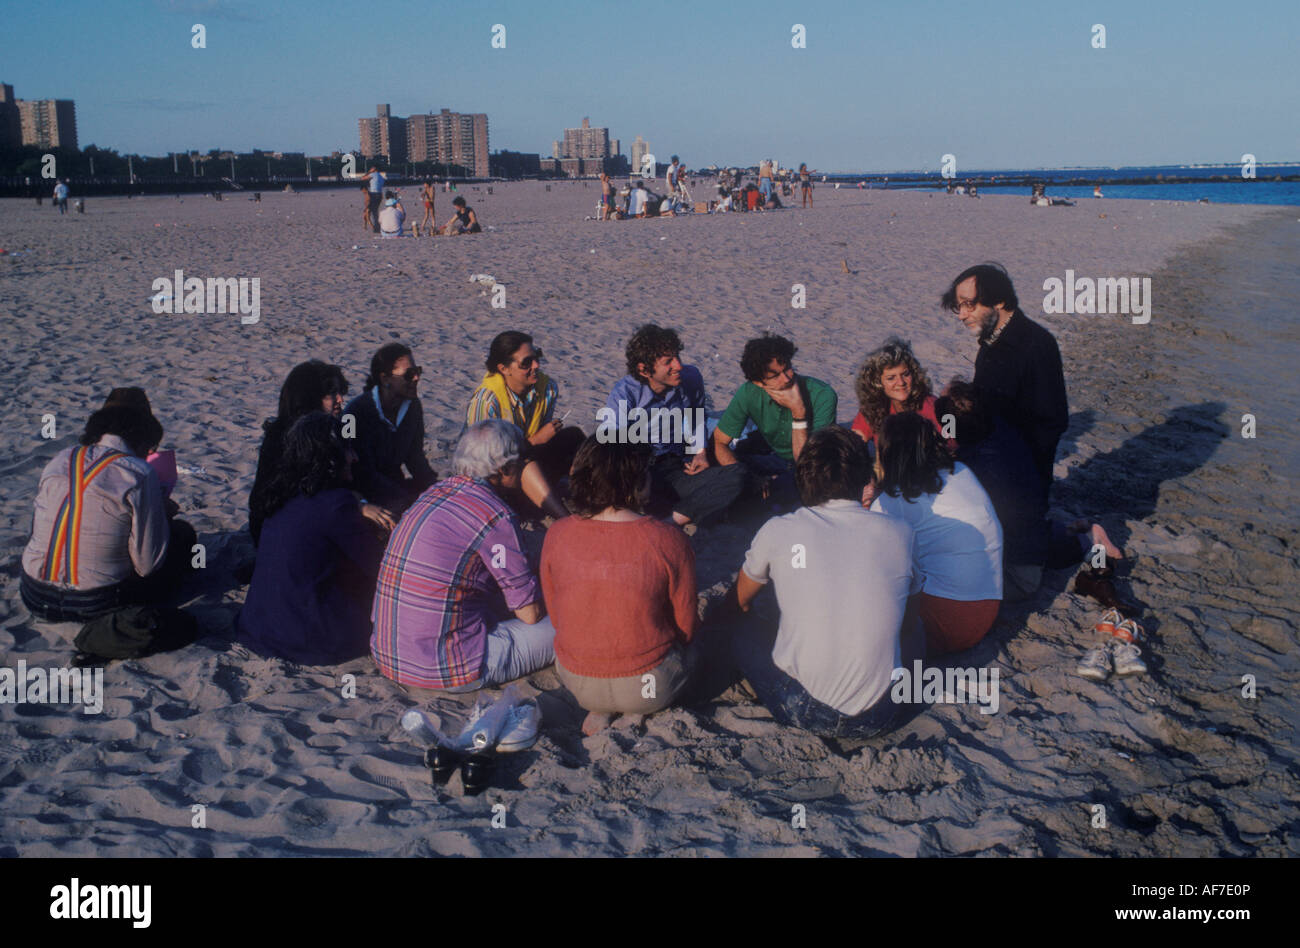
(958, 537)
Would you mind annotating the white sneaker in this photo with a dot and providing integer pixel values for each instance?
(1095, 664)
(521, 727)
(1128, 659)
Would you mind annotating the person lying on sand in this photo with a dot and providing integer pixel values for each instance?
(455, 555)
(620, 586)
(825, 666)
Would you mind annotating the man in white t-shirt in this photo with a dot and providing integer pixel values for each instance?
(61, 197)
(391, 218)
(637, 200)
(842, 576)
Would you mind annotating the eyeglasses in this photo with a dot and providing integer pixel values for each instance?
(529, 361)
(964, 306)
(414, 372)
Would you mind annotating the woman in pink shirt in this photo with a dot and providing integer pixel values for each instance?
(620, 588)
(891, 381)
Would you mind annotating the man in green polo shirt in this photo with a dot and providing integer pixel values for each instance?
(785, 407)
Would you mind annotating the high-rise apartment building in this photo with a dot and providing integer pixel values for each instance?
(11, 127)
(44, 123)
(451, 138)
(585, 142)
(385, 135)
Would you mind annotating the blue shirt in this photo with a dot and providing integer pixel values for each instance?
(688, 397)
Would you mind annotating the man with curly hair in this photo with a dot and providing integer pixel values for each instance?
(659, 389)
(783, 406)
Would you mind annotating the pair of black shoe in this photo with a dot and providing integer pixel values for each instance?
(476, 767)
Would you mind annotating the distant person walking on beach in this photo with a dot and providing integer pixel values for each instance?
(765, 179)
(805, 185)
(672, 178)
(430, 221)
(375, 181)
(464, 221)
(606, 197)
(61, 197)
(367, 218)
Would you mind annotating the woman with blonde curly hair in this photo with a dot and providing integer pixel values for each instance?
(889, 382)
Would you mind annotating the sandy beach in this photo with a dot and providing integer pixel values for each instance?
(286, 765)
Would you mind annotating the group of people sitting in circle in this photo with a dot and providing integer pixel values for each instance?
(901, 535)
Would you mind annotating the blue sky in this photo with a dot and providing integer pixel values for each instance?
(880, 87)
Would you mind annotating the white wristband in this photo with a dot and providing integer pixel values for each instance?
(798, 425)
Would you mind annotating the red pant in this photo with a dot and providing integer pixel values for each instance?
(951, 626)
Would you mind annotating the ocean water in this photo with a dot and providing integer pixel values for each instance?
(1216, 192)
(1219, 184)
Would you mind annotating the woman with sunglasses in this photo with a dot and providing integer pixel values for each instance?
(389, 431)
(515, 389)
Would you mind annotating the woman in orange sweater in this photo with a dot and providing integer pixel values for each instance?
(620, 589)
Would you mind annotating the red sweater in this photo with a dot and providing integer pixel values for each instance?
(620, 595)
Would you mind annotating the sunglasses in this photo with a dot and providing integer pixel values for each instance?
(414, 372)
(529, 361)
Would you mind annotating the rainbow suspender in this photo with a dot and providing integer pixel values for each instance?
(65, 538)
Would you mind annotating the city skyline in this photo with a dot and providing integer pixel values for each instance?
(1015, 86)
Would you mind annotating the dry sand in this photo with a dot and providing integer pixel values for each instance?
(284, 765)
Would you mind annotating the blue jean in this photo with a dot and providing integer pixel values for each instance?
(514, 649)
(790, 703)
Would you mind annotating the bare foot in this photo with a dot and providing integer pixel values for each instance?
(1098, 536)
(595, 723)
(680, 519)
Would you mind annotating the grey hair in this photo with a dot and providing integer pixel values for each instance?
(487, 447)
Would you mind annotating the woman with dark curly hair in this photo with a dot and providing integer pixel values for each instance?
(620, 587)
(958, 551)
(310, 386)
(309, 601)
(891, 381)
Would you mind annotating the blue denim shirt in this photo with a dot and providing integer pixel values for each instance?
(689, 395)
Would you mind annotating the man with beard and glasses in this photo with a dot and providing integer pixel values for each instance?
(1018, 368)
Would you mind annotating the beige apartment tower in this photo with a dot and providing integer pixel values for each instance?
(451, 138)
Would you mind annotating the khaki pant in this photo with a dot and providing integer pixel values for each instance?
(628, 695)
